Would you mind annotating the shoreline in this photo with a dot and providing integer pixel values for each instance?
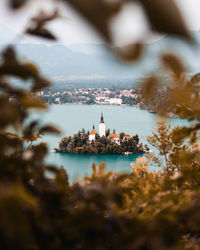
(96, 104)
(58, 152)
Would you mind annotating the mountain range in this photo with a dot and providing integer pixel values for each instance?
(80, 64)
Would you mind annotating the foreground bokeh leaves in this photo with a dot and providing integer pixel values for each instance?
(15, 4)
(107, 210)
(142, 209)
(163, 16)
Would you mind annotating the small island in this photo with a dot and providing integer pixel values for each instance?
(103, 142)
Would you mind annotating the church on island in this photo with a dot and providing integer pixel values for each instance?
(102, 132)
(101, 142)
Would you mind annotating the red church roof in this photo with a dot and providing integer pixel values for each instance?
(113, 136)
(93, 132)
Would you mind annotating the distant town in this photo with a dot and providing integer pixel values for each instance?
(101, 96)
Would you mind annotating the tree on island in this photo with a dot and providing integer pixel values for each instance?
(80, 144)
(107, 132)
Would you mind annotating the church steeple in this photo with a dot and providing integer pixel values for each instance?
(102, 120)
(102, 127)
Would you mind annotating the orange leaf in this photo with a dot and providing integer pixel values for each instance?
(165, 17)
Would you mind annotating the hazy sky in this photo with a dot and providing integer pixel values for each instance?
(130, 25)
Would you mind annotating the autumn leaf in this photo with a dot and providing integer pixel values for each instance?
(196, 79)
(131, 53)
(50, 129)
(98, 13)
(41, 32)
(149, 87)
(15, 4)
(165, 17)
(12, 66)
(42, 18)
(38, 28)
(40, 83)
(33, 102)
(173, 63)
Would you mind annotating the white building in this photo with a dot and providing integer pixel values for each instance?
(102, 127)
(115, 101)
(92, 135)
(114, 137)
(57, 99)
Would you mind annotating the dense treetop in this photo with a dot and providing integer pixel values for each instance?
(80, 144)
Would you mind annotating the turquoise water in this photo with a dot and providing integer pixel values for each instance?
(71, 118)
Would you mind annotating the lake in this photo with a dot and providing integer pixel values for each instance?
(71, 118)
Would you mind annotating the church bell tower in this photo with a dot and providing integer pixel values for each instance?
(102, 127)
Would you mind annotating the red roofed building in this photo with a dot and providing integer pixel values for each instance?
(114, 137)
(92, 134)
(126, 137)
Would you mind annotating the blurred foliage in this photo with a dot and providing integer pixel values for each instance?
(140, 210)
(163, 16)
